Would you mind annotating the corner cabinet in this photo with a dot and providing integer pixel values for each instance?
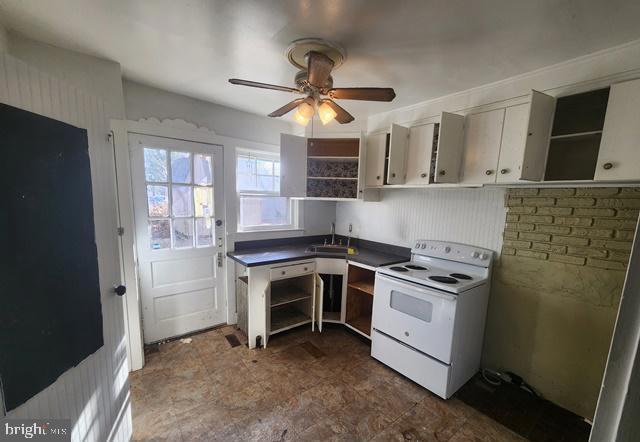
(323, 168)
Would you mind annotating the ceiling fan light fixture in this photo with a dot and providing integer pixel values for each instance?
(326, 114)
(300, 119)
(306, 110)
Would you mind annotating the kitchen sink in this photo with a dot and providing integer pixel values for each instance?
(330, 249)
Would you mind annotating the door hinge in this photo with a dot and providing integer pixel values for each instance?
(219, 259)
(120, 231)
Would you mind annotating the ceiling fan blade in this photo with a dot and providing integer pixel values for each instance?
(318, 68)
(362, 93)
(286, 108)
(342, 116)
(263, 85)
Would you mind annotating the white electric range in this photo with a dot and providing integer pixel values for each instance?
(429, 314)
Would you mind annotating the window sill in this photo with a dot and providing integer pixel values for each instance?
(286, 229)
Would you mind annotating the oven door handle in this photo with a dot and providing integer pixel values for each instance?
(414, 287)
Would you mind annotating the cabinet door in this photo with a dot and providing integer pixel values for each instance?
(619, 155)
(538, 133)
(293, 166)
(318, 293)
(419, 154)
(483, 132)
(267, 303)
(374, 160)
(450, 148)
(514, 136)
(398, 145)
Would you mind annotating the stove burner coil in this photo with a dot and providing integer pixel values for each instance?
(398, 269)
(443, 279)
(461, 276)
(415, 267)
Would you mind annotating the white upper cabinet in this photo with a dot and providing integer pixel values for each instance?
(525, 139)
(293, 166)
(449, 148)
(435, 151)
(482, 139)
(619, 154)
(398, 146)
(375, 159)
(419, 154)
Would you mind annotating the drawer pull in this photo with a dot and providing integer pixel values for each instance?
(503, 171)
(607, 166)
(488, 172)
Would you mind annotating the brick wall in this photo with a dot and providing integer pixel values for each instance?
(583, 226)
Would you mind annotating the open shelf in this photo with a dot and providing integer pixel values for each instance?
(361, 324)
(332, 178)
(365, 286)
(286, 317)
(287, 295)
(331, 316)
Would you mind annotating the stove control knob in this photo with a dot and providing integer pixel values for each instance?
(447, 249)
(484, 256)
(424, 246)
(475, 255)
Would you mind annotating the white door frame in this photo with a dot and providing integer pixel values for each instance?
(180, 130)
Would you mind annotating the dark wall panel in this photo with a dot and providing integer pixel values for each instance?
(50, 311)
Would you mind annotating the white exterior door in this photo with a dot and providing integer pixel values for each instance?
(178, 206)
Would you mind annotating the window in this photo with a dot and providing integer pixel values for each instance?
(179, 198)
(260, 206)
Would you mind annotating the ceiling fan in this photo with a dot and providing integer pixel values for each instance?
(316, 58)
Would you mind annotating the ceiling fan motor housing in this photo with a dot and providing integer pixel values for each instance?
(302, 80)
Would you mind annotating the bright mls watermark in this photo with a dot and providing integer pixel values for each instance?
(35, 429)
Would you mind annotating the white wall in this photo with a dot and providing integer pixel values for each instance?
(472, 216)
(145, 101)
(95, 393)
(100, 77)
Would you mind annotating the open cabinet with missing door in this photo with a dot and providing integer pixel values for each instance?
(291, 303)
(359, 302)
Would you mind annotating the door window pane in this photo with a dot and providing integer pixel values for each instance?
(183, 232)
(181, 167)
(159, 234)
(204, 235)
(182, 201)
(158, 200)
(276, 168)
(203, 201)
(155, 164)
(203, 172)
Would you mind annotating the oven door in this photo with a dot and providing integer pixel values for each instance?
(418, 316)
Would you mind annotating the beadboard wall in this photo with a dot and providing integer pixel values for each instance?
(471, 216)
(94, 394)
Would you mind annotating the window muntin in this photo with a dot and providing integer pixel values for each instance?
(180, 209)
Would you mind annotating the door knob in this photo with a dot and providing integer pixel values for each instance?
(607, 166)
(120, 290)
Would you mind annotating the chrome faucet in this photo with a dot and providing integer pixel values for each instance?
(333, 233)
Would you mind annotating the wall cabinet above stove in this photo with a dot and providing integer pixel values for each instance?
(508, 145)
(417, 156)
(323, 168)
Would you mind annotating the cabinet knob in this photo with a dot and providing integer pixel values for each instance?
(488, 172)
(393, 175)
(503, 171)
(423, 175)
(305, 269)
(607, 166)
(120, 290)
(443, 172)
(283, 272)
(378, 178)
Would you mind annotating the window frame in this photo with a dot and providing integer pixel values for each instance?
(294, 206)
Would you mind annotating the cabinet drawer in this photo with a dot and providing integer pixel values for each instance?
(290, 271)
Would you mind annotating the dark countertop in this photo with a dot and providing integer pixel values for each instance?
(295, 251)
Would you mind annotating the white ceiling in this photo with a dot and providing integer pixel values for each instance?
(424, 49)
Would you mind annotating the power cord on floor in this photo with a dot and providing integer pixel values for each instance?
(497, 378)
